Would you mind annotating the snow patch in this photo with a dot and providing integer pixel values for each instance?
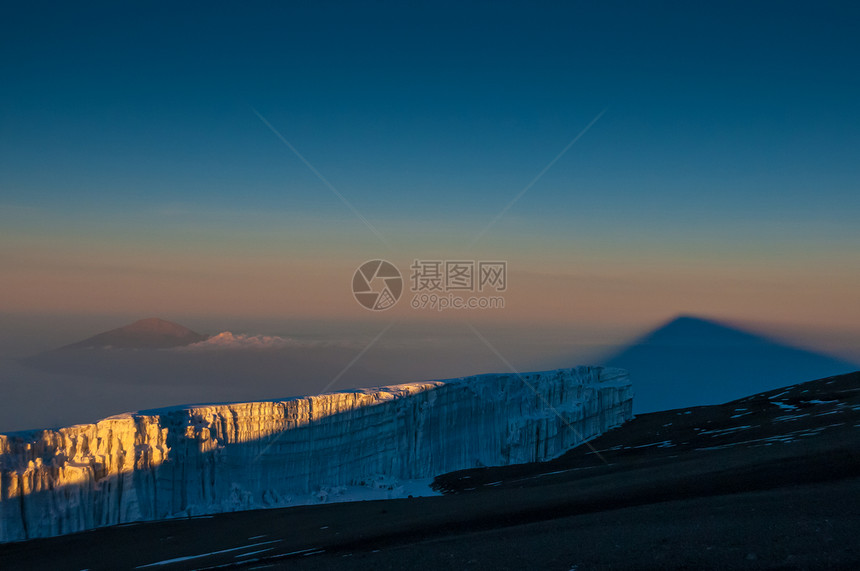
(723, 431)
(209, 554)
(784, 406)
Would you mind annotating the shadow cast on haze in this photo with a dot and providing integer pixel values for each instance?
(691, 362)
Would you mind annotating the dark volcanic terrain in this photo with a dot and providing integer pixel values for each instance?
(770, 481)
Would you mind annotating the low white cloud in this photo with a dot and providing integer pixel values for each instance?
(228, 340)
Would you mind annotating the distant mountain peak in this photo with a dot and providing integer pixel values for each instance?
(156, 325)
(149, 333)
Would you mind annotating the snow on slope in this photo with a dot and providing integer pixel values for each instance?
(202, 459)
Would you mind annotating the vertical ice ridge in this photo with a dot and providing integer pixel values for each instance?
(184, 461)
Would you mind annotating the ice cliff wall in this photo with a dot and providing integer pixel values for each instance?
(193, 460)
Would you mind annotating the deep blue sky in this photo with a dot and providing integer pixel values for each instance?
(730, 132)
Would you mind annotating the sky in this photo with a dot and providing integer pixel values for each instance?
(629, 161)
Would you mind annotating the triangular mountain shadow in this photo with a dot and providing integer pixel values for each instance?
(691, 362)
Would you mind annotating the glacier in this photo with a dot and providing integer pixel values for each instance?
(194, 460)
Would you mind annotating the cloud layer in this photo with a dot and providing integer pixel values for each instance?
(228, 340)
